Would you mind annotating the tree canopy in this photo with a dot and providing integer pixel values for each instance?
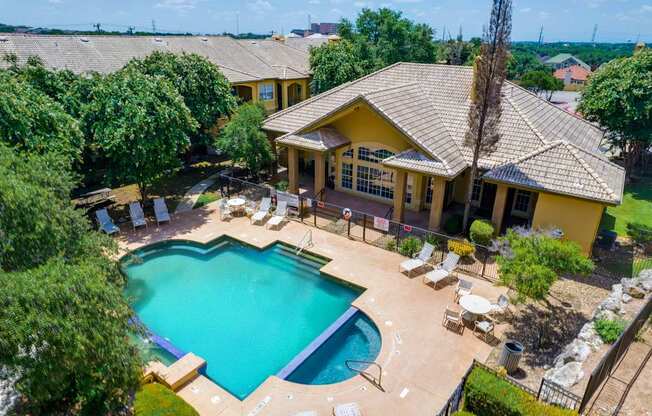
(244, 140)
(619, 98)
(333, 64)
(541, 81)
(141, 125)
(205, 91)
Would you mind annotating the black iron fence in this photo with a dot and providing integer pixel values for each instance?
(610, 361)
(381, 232)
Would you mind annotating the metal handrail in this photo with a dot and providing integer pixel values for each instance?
(321, 194)
(389, 213)
(304, 243)
(365, 373)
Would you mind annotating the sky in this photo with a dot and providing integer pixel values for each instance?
(562, 20)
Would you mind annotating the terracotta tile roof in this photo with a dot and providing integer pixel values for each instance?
(239, 60)
(576, 71)
(430, 105)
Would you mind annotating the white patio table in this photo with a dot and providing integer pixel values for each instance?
(475, 305)
(237, 204)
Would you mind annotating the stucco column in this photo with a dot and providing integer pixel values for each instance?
(399, 195)
(284, 94)
(293, 170)
(320, 171)
(499, 207)
(437, 204)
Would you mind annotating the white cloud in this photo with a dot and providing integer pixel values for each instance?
(313, 2)
(362, 4)
(646, 8)
(408, 1)
(544, 15)
(260, 6)
(55, 1)
(337, 11)
(526, 10)
(178, 5)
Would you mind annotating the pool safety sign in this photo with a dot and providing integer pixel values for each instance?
(381, 223)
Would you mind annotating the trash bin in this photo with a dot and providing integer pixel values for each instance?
(511, 355)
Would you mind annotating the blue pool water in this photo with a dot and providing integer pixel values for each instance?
(247, 312)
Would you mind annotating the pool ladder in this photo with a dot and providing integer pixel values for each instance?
(306, 241)
(376, 381)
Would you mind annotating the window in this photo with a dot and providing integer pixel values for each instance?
(429, 190)
(521, 205)
(408, 191)
(375, 182)
(476, 194)
(266, 92)
(373, 156)
(347, 175)
(348, 153)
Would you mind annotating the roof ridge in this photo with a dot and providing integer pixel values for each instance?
(236, 70)
(530, 155)
(527, 121)
(574, 151)
(325, 94)
(393, 87)
(255, 55)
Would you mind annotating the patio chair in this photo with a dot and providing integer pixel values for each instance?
(225, 210)
(464, 287)
(443, 270)
(105, 222)
(279, 215)
(485, 328)
(263, 211)
(161, 211)
(347, 409)
(500, 307)
(453, 318)
(137, 215)
(418, 261)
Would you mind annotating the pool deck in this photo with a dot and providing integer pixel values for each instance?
(422, 361)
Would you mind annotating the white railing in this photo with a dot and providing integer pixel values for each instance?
(306, 241)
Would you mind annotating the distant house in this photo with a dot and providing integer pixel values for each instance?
(324, 28)
(259, 70)
(573, 75)
(565, 60)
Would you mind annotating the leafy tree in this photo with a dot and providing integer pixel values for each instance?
(619, 97)
(32, 122)
(489, 76)
(530, 262)
(53, 83)
(541, 81)
(205, 90)
(243, 138)
(141, 124)
(333, 64)
(521, 62)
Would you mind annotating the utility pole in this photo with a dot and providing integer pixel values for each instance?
(131, 29)
(595, 32)
(153, 26)
(98, 27)
(540, 37)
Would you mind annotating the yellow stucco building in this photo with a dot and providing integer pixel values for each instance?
(397, 138)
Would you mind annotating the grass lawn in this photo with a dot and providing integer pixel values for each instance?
(636, 207)
(157, 400)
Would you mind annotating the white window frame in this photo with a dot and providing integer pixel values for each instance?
(477, 182)
(266, 90)
(517, 212)
(349, 178)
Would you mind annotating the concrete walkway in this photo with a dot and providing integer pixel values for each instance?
(190, 198)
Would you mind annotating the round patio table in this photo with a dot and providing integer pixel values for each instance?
(475, 305)
(237, 204)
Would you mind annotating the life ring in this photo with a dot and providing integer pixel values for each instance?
(346, 213)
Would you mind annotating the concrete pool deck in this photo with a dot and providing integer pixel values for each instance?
(422, 361)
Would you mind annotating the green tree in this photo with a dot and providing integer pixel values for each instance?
(205, 90)
(141, 125)
(244, 140)
(619, 98)
(333, 64)
(521, 62)
(541, 82)
(53, 83)
(31, 121)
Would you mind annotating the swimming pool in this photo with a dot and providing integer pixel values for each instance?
(247, 312)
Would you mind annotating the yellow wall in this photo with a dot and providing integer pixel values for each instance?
(578, 218)
(271, 106)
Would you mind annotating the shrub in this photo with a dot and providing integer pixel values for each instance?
(462, 248)
(609, 330)
(282, 186)
(453, 225)
(640, 233)
(410, 246)
(481, 232)
(156, 399)
(390, 245)
(486, 394)
(463, 413)
(205, 199)
(434, 240)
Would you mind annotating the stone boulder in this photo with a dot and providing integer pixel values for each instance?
(626, 298)
(590, 336)
(645, 274)
(8, 394)
(633, 288)
(566, 375)
(577, 350)
(604, 314)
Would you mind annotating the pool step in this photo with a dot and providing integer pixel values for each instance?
(297, 265)
(304, 257)
(181, 371)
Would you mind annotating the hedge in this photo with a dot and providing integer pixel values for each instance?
(486, 394)
(481, 232)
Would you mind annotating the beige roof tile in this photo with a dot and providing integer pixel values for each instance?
(322, 139)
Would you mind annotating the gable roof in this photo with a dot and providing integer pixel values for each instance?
(239, 60)
(321, 139)
(561, 57)
(430, 103)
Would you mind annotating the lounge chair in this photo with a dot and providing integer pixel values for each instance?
(463, 288)
(105, 222)
(347, 409)
(419, 261)
(443, 270)
(279, 215)
(225, 210)
(263, 211)
(137, 215)
(161, 211)
(453, 318)
(485, 327)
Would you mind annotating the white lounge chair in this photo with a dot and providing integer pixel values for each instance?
(105, 222)
(443, 269)
(225, 210)
(279, 215)
(137, 215)
(419, 261)
(263, 211)
(161, 211)
(347, 409)
(463, 288)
